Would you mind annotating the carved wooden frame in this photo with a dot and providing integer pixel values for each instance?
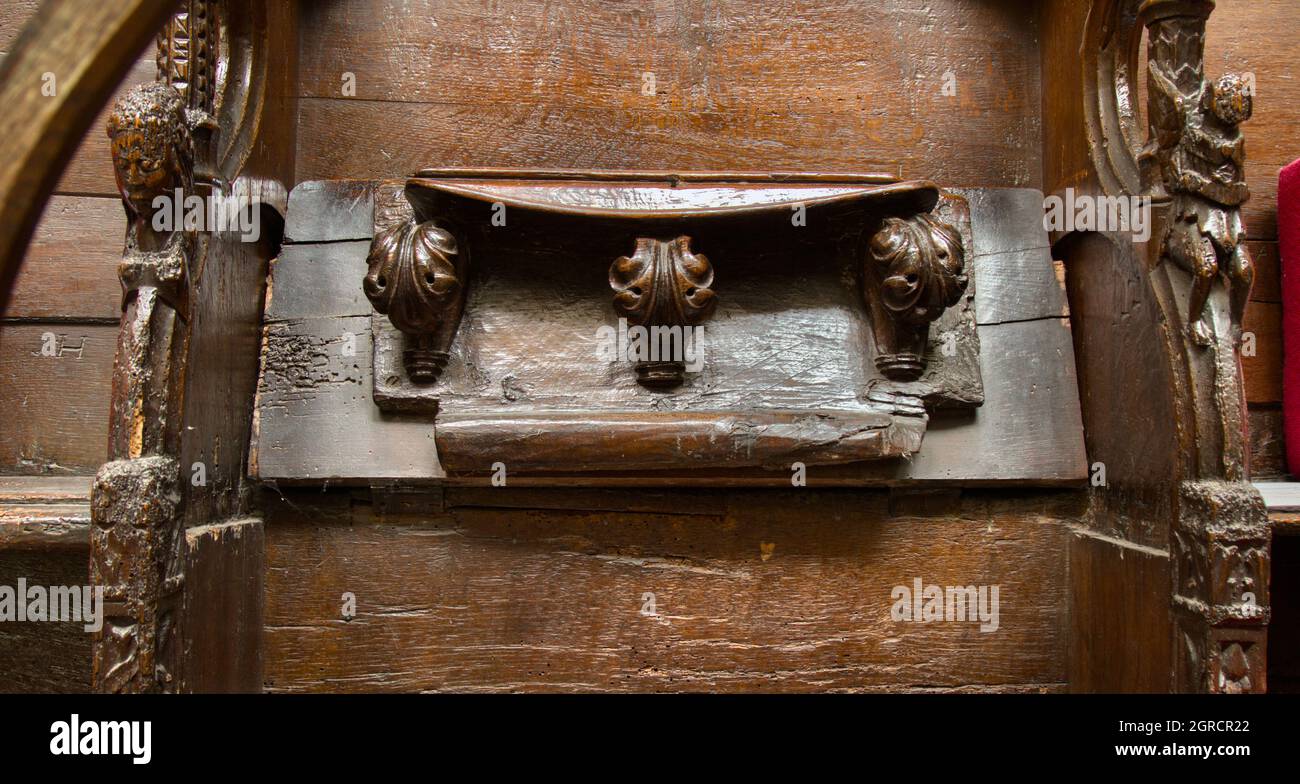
(1219, 531)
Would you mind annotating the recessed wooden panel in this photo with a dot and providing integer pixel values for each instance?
(44, 657)
(1267, 455)
(795, 599)
(224, 577)
(1119, 616)
(1262, 372)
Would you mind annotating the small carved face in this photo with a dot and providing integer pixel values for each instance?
(1232, 100)
(144, 167)
(149, 134)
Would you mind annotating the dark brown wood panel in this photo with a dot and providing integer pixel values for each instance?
(56, 407)
(829, 86)
(44, 657)
(1119, 616)
(224, 577)
(1263, 371)
(1267, 454)
(71, 266)
(795, 599)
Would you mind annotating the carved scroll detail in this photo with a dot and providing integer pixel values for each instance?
(1195, 156)
(913, 273)
(662, 286)
(417, 278)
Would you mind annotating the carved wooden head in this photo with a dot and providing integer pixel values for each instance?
(151, 146)
(918, 264)
(412, 276)
(1231, 99)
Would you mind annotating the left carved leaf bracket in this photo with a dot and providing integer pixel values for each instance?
(417, 277)
(913, 272)
(664, 289)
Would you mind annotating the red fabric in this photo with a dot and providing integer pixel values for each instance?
(1288, 231)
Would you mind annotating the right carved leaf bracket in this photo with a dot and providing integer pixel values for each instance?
(914, 270)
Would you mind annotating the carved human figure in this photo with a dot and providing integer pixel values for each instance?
(1204, 173)
(152, 157)
(914, 273)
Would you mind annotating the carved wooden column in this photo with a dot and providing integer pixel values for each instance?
(1194, 158)
(1188, 163)
(136, 498)
(137, 536)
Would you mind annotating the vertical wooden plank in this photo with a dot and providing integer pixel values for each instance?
(224, 576)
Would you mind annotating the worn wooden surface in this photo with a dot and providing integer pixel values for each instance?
(561, 86)
(225, 572)
(44, 536)
(533, 597)
(43, 656)
(56, 412)
(1119, 638)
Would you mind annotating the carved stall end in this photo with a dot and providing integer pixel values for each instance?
(913, 273)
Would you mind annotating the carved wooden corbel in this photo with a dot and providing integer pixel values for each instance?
(913, 273)
(664, 289)
(416, 276)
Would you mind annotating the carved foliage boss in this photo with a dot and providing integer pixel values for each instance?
(914, 271)
(416, 276)
(663, 285)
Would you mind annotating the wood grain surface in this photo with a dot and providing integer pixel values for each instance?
(493, 597)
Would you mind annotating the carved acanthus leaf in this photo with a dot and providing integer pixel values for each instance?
(914, 272)
(663, 284)
(414, 279)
